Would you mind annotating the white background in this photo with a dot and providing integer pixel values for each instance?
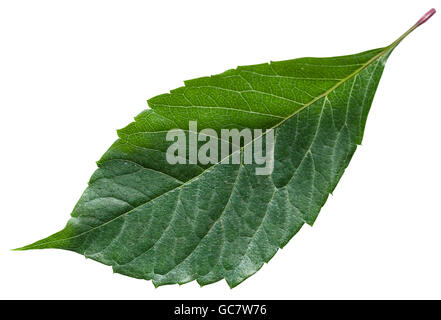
(71, 72)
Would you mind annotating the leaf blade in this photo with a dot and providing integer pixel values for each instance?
(149, 220)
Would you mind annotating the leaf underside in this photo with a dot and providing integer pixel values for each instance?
(177, 223)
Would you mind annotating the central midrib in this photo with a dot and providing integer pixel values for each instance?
(324, 94)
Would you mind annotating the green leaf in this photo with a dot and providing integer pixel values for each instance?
(149, 219)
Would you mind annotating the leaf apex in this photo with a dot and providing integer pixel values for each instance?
(19, 249)
(54, 241)
(31, 246)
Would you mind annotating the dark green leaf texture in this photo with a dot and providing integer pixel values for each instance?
(177, 223)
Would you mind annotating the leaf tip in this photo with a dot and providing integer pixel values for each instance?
(24, 248)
